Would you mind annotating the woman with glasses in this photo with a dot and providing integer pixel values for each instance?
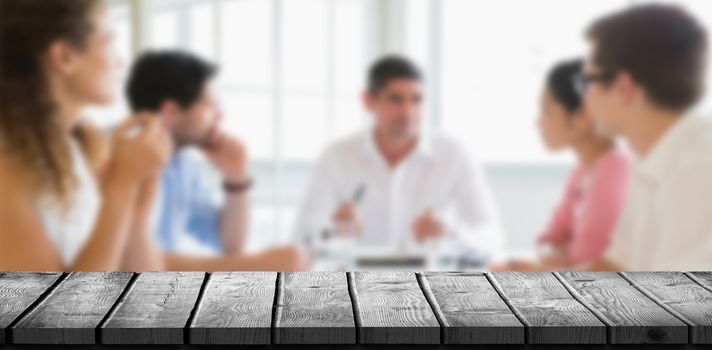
(580, 229)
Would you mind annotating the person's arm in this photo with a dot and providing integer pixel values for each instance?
(235, 222)
(26, 245)
(142, 252)
(221, 225)
(287, 258)
(685, 220)
(601, 208)
(476, 224)
(559, 228)
(320, 201)
(230, 156)
(138, 158)
(602, 264)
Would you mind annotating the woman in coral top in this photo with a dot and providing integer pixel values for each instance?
(582, 224)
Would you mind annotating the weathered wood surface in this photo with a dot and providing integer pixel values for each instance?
(681, 295)
(155, 310)
(391, 309)
(73, 310)
(549, 311)
(236, 308)
(703, 278)
(470, 309)
(633, 317)
(322, 309)
(314, 308)
(18, 291)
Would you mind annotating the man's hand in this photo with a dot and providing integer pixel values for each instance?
(228, 154)
(428, 226)
(346, 219)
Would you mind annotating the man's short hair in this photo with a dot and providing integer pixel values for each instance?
(167, 75)
(391, 68)
(663, 48)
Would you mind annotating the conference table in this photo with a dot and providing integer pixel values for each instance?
(359, 309)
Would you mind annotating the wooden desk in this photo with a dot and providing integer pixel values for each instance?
(363, 308)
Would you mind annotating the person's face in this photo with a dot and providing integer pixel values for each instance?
(559, 128)
(89, 74)
(397, 109)
(613, 101)
(195, 124)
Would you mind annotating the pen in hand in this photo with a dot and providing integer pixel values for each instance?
(356, 198)
(358, 194)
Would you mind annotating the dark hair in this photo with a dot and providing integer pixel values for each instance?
(391, 68)
(29, 126)
(162, 75)
(560, 82)
(662, 47)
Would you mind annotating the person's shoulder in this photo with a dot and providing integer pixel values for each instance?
(696, 147)
(13, 177)
(345, 146)
(616, 158)
(95, 144)
(444, 144)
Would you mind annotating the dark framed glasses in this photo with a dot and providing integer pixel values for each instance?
(583, 81)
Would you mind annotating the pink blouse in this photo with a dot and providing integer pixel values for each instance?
(587, 214)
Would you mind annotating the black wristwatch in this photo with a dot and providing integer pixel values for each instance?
(237, 187)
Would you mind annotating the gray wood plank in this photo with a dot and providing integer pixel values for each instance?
(548, 310)
(704, 278)
(236, 309)
(156, 309)
(314, 308)
(391, 309)
(71, 313)
(633, 318)
(18, 291)
(470, 309)
(678, 292)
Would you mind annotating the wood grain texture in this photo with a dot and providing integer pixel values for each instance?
(314, 308)
(633, 317)
(683, 295)
(18, 291)
(704, 278)
(71, 313)
(392, 309)
(155, 310)
(549, 311)
(470, 309)
(236, 309)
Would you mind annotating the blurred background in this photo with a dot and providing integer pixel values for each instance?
(293, 71)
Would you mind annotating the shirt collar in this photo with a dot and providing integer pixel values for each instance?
(657, 161)
(424, 146)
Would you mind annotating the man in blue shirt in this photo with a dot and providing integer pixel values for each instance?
(178, 88)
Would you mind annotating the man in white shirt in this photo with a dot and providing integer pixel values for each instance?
(396, 187)
(645, 72)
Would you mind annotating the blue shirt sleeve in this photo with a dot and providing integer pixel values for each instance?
(189, 203)
(204, 210)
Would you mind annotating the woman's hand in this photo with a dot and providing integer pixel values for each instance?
(141, 148)
(145, 200)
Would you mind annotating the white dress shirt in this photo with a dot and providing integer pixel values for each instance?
(667, 222)
(437, 174)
